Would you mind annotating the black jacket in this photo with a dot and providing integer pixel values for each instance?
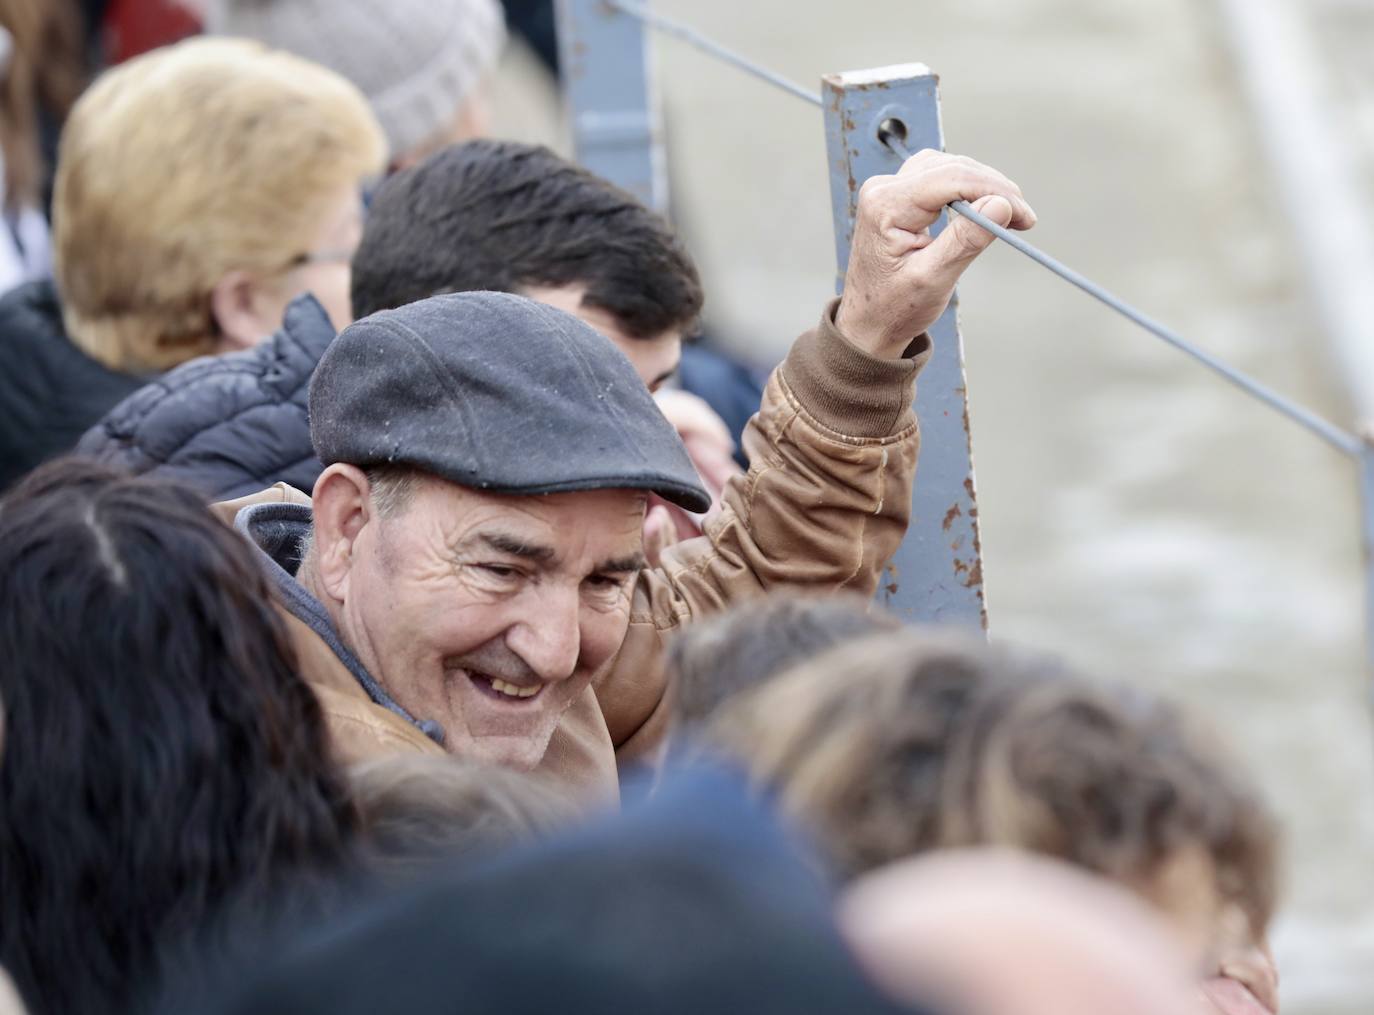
(226, 425)
(50, 391)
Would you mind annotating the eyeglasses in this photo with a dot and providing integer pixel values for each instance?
(318, 257)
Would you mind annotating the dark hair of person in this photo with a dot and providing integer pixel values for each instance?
(913, 741)
(711, 661)
(503, 216)
(163, 761)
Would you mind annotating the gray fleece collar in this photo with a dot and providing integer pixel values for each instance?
(278, 531)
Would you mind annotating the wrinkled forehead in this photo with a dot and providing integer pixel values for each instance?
(591, 524)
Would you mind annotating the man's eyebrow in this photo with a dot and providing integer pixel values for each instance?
(503, 542)
(628, 564)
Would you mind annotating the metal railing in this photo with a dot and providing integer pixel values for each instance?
(875, 119)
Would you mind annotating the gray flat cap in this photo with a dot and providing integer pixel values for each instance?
(495, 392)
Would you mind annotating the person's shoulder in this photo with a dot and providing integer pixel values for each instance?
(202, 422)
(31, 325)
(214, 389)
(37, 298)
(50, 390)
(360, 730)
(277, 493)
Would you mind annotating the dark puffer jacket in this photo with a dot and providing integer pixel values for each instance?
(226, 425)
(50, 391)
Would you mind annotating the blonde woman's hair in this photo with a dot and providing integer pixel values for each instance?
(902, 743)
(187, 163)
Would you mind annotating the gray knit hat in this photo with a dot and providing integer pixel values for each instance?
(415, 60)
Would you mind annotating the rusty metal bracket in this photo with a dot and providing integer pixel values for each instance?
(937, 573)
(612, 102)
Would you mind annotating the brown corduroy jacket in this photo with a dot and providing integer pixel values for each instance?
(825, 502)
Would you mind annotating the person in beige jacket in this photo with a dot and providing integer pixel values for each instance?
(468, 574)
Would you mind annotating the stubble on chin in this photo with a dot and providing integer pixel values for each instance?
(518, 752)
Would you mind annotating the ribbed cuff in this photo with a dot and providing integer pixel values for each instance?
(847, 390)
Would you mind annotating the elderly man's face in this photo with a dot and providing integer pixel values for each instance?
(490, 613)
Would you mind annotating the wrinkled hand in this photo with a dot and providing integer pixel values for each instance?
(900, 279)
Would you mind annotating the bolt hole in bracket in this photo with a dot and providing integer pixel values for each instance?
(890, 129)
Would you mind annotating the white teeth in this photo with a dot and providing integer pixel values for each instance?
(511, 691)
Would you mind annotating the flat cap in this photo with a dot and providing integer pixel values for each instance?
(495, 392)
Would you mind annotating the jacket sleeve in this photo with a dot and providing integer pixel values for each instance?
(824, 505)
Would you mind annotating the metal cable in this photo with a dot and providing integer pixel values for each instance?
(1327, 431)
(708, 45)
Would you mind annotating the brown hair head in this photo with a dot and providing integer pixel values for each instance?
(712, 661)
(510, 217)
(908, 742)
(416, 810)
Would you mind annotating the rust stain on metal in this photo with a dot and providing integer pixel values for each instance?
(973, 572)
(836, 92)
(890, 579)
(954, 512)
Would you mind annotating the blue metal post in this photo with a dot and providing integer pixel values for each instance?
(937, 573)
(612, 102)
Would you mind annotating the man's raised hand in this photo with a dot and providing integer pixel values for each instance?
(900, 279)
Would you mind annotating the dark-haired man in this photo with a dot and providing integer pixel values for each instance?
(516, 218)
(512, 217)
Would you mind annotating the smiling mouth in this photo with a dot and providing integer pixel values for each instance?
(503, 690)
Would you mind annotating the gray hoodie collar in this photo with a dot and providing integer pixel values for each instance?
(278, 532)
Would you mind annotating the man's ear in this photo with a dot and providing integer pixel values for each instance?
(237, 305)
(342, 508)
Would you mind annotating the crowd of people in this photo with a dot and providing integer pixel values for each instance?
(397, 612)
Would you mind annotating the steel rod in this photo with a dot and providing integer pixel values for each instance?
(706, 44)
(1323, 428)
(1327, 431)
